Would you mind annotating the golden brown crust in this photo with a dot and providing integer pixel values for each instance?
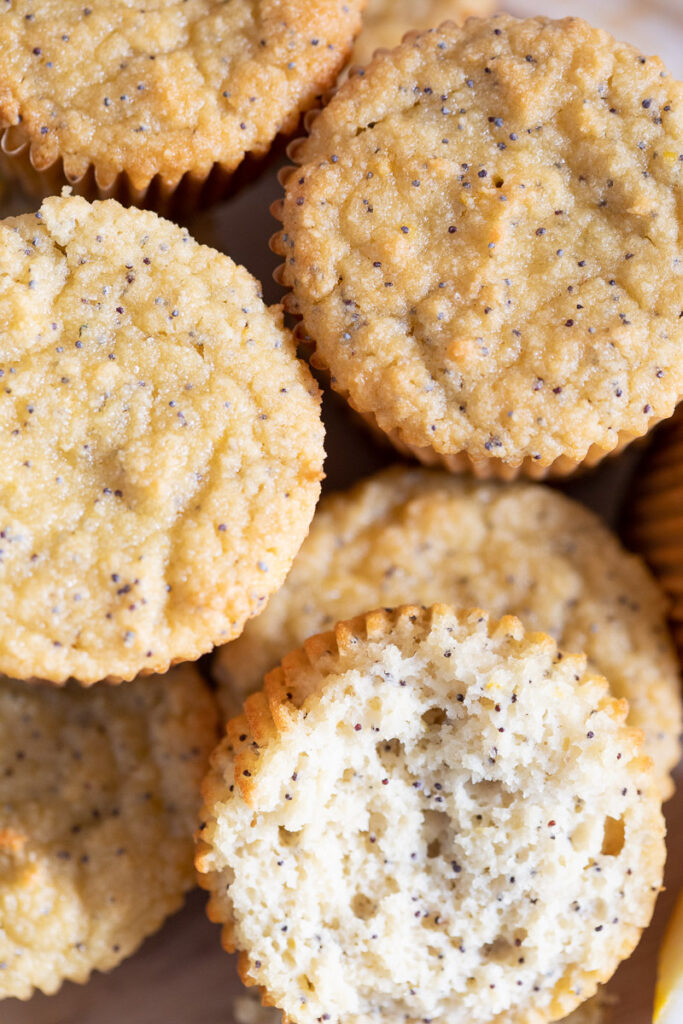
(496, 301)
(161, 444)
(167, 91)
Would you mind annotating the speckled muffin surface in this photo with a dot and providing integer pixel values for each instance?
(167, 87)
(161, 445)
(385, 22)
(522, 549)
(99, 792)
(425, 815)
(482, 240)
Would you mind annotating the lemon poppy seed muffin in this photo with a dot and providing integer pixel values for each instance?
(99, 792)
(416, 534)
(161, 445)
(161, 90)
(481, 238)
(427, 815)
(385, 22)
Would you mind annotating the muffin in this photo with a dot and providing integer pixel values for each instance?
(481, 239)
(655, 517)
(429, 816)
(161, 445)
(385, 22)
(523, 549)
(99, 791)
(133, 102)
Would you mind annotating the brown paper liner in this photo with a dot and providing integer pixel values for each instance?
(654, 520)
(454, 462)
(193, 191)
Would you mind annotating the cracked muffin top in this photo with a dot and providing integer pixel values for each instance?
(483, 239)
(168, 87)
(161, 445)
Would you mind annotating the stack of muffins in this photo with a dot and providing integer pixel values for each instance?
(453, 706)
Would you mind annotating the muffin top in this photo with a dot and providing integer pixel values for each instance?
(161, 445)
(385, 22)
(427, 816)
(483, 240)
(167, 87)
(99, 791)
(417, 535)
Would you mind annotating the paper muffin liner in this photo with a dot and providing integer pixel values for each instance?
(454, 462)
(195, 190)
(654, 519)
